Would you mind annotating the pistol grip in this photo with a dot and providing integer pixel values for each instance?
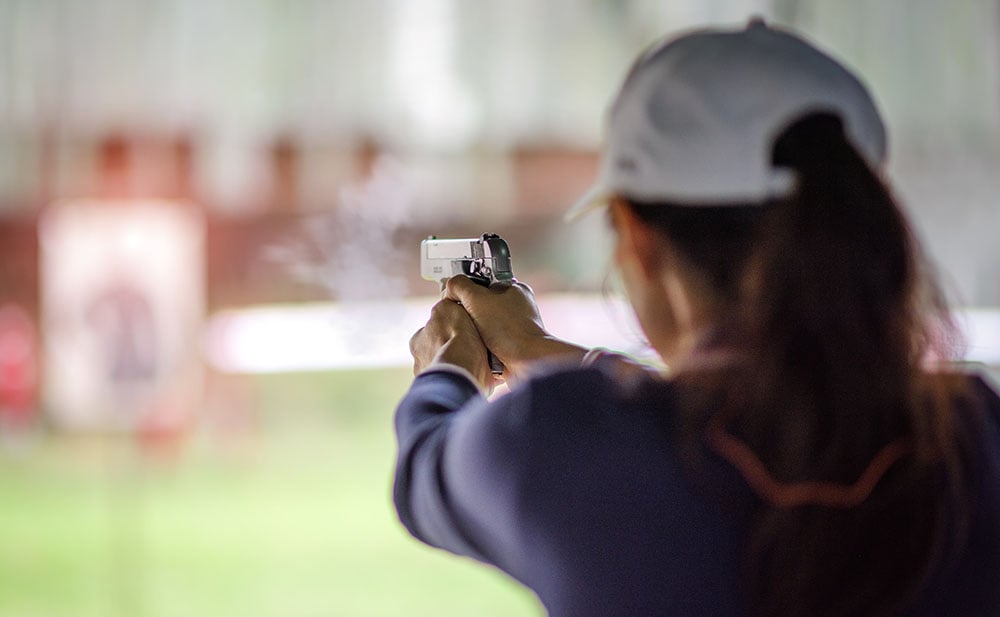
(496, 366)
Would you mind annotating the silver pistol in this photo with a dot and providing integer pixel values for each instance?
(486, 260)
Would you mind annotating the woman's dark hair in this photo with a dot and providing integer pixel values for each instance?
(834, 313)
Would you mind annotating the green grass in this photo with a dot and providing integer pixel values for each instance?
(289, 517)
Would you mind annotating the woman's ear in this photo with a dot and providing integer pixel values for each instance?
(637, 241)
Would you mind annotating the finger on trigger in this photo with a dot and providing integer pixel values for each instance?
(458, 287)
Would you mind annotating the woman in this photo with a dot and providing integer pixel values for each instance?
(798, 457)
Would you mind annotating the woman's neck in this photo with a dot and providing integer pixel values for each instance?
(696, 311)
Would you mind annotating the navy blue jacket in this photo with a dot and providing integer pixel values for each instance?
(575, 488)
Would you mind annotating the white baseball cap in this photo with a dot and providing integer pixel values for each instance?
(695, 120)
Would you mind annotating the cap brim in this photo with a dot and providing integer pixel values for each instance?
(597, 197)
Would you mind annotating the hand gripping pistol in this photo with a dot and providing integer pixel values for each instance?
(486, 260)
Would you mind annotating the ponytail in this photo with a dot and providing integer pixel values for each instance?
(837, 327)
(836, 302)
(829, 298)
(831, 419)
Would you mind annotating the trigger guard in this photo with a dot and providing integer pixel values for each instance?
(480, 280)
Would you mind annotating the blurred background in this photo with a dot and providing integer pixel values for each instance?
(209, 222)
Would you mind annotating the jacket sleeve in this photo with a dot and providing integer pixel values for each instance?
(421, 492)
(477, 478)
